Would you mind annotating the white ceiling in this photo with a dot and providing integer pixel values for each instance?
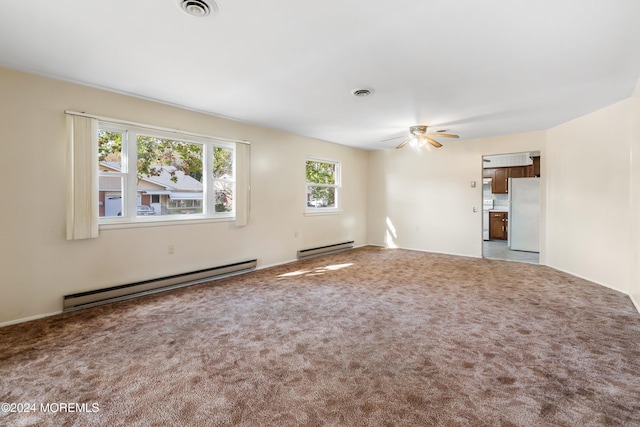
(477, 68)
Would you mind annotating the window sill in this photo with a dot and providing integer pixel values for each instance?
(323, 212)
(163, 223)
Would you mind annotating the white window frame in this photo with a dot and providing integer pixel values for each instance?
(337, 186)
(128, 174)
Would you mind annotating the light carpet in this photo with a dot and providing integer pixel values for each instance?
(366, 337)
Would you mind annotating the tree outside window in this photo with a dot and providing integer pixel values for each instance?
(323, 179)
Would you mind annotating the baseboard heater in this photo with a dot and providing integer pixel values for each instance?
(323, 250)
(118, 293)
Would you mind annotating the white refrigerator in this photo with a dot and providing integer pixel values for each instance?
(524, 214)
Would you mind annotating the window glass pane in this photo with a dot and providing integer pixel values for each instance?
(222, 163)
(109, 161)
(109, 150)
(224, 196)
(145, 210)
(110, 196)
(321, 197)
(322, 184)
(166, 175)
(184, 206)
(169, 177)
(321, 172)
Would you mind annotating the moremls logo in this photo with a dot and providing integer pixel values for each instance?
(69, 407)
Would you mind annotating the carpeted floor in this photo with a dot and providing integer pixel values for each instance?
(367, 337)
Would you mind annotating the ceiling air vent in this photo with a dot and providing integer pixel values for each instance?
(363, 91)
(198, 8)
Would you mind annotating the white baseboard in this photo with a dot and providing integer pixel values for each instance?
(27, 319)
(275, 264)
(424, 250)
(606, 285)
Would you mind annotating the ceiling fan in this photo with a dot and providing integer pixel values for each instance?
(419, 137)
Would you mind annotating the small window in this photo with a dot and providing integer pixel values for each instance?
(323, 184)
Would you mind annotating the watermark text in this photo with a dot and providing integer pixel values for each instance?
(50, 407)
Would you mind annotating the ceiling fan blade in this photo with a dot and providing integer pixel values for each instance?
(443, 135)
(402, 144)
(434, 142)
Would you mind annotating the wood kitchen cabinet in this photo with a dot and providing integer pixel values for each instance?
(500, 176)
(536, 166)
(500, 182)
(498, 225)
(518, 172)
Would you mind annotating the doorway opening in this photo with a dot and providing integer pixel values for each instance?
(511, 207)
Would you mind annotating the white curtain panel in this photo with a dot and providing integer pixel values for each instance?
(82, 178)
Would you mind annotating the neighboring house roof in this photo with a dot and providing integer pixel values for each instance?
(183, 182)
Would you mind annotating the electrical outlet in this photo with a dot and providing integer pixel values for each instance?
(170, 250)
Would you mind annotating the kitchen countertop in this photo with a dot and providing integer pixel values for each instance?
(499, 210)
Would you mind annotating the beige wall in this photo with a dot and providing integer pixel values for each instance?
(424, 200)
(590, 190)
(589, 213)
(634, 290)
(38, 266)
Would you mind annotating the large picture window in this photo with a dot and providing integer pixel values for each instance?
(323, 185)
(148, 175)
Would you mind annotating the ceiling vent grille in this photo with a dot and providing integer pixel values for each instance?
(198, 8)
(363, 91)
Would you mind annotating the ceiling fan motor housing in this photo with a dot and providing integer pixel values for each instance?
(419, 137)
